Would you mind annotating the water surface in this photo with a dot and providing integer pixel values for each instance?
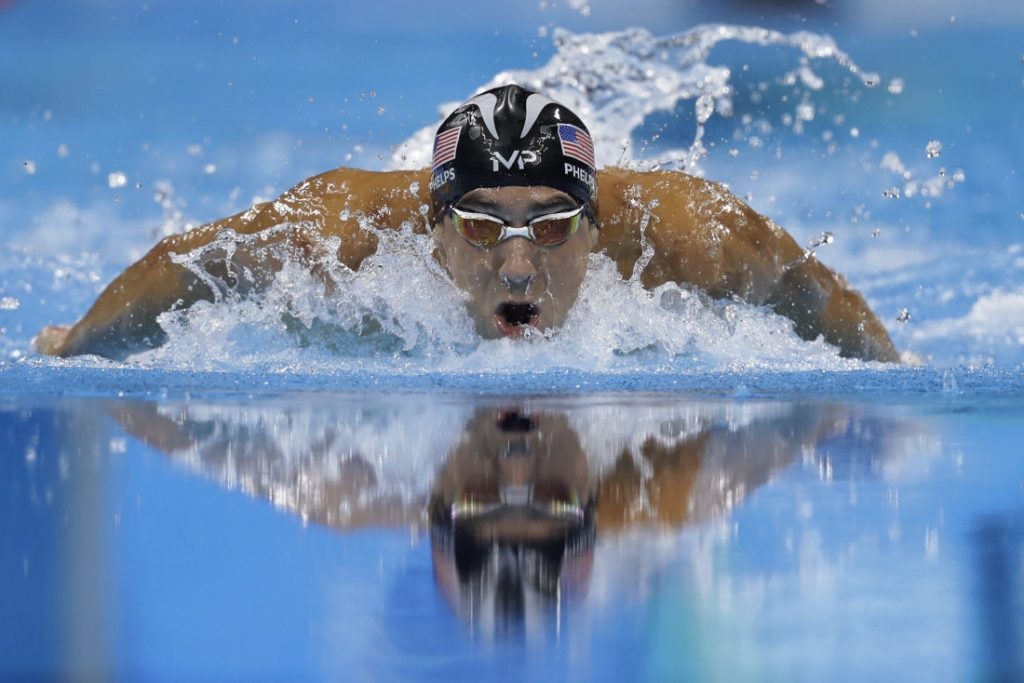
(287, 536)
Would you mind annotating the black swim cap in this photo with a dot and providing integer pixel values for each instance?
(512, 136)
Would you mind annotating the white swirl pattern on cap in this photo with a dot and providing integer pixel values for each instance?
(535, 104)
(486, 104)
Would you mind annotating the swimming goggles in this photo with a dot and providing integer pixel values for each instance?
(485, 230)
(551, 500)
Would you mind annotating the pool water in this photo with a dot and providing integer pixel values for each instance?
(284, 536)
(259, 500)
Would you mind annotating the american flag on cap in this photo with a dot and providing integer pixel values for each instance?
(576, 143)
(444, 147)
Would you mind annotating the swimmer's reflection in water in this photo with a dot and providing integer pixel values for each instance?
(512, 517)
(517, 503)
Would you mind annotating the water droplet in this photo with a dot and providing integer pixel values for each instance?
(933, 149)
(822, 239)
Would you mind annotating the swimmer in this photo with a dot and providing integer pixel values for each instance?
(514, 210)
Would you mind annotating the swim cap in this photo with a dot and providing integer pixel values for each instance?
(512, 136)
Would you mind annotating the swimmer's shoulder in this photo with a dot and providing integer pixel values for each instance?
(345, 203)
(346, 199)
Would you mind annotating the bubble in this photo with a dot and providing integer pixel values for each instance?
(903, 315)
(933, 149)
(896, 86)
(9, 303)
(116, 179)
(30, 166)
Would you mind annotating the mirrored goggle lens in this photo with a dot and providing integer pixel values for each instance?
(477, 228)
(556, 228)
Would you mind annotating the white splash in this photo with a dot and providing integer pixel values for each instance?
(615, 81)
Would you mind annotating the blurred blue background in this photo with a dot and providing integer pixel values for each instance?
(233, 101)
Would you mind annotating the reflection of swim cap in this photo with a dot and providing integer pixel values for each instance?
(497, 582)
(512, 136)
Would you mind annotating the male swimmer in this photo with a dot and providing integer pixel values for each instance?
(514, 211)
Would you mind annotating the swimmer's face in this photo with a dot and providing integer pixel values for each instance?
(516, 284)
(505, 451)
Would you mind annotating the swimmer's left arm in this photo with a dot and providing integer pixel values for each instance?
(703, 235)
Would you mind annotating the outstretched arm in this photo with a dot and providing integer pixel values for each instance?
(124, 318)
(703, 235)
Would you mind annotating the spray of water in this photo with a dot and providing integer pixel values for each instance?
(617, 80)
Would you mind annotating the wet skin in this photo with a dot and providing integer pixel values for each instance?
(516, 285)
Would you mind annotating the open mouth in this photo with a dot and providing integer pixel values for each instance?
(514, 318)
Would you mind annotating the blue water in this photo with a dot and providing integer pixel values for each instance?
(848, 520)
(161, 539)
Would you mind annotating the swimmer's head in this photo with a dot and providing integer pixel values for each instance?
(510, 136)
(513, 518)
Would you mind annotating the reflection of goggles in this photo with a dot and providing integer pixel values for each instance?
(550, 500)
(485, 230)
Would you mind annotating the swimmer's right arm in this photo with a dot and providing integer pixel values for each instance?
(123, 320)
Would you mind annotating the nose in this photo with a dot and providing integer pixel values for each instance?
(517, 271)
